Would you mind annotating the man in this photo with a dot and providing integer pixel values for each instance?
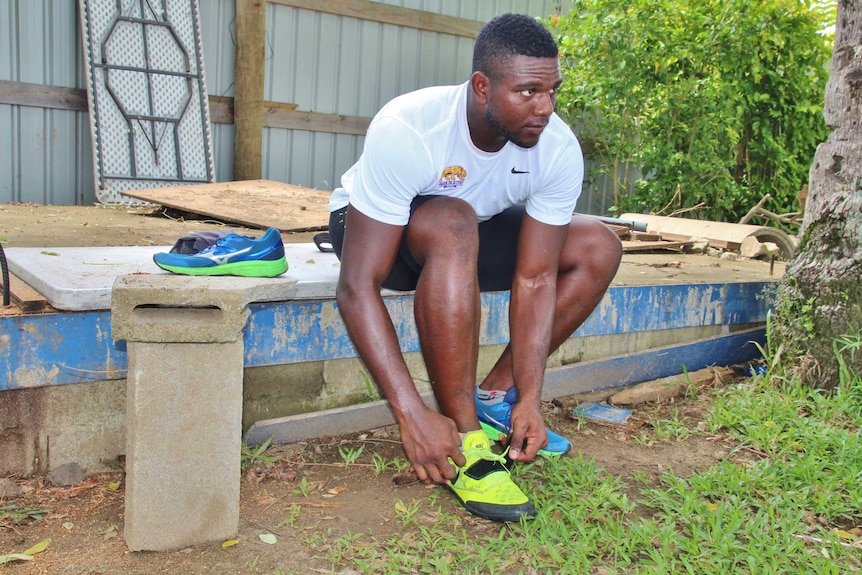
(462, 189)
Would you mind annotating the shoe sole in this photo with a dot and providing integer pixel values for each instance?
(494, 435)
(254, 268)
(499, 513)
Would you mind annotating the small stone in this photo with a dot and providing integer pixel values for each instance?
(66, 475)
(729, 256)
(8, 488)
(698, 245)
(753, 248)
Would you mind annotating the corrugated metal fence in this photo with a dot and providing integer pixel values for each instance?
(336, 61)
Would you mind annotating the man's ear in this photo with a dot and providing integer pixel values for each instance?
(481, 85)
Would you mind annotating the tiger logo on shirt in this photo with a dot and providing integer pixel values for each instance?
(452, 177)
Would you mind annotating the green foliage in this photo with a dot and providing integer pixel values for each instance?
(251, 455)
(716, 102)
(12, 514)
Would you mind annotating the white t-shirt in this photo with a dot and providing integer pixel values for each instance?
(419, 144)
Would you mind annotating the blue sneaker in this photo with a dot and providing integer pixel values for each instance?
(232, 255)
(496, 419)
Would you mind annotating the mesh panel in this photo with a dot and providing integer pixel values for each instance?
(148, 102)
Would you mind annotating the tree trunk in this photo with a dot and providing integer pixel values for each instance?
(820, 297)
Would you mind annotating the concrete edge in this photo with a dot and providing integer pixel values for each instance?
(614, 372)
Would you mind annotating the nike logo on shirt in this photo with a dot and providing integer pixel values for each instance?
(514, 171)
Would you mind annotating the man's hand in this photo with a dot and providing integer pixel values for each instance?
(432, 443)
(528, 432)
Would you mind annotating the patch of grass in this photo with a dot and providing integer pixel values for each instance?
(666, 428)
(783, 500)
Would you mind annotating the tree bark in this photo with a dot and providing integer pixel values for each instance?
(820, 297)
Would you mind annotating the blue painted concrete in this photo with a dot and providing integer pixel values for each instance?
(293, 332)
(666, 361)
(55, 349)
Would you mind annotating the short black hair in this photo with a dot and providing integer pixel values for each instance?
(511, 35)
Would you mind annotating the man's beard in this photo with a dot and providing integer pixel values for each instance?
(510, 136)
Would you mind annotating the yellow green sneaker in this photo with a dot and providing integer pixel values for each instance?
(484, 486)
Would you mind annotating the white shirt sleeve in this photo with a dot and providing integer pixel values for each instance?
(557, 195)
(393, 169)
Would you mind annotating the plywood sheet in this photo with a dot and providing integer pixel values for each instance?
(253, 203)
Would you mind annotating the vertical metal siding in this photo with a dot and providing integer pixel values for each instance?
(321, 62)
(43, 159)
(341, 65)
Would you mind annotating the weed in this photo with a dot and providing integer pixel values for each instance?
(380, 463)
(370, 388)
(251, 564)
(293, 511)
(667, 428)
(846, 349)
(406, 512)
(303, 488)
(350, 455)
(251, 455)
(12, 514)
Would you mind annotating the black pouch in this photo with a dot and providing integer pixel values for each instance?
(195, 242)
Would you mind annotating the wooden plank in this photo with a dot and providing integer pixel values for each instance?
(622, 232)
(249, 74)
(645, 236)
(638, 246)
(275, 114)
(316, 122)
(22, 295)
(387, 14)
(286, 116)
(43, 96)
(252, 203)
(713, 243)
(669, 387)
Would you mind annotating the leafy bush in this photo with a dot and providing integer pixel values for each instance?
(716, 102)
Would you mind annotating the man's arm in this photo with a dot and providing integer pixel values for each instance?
(370, 248)
(531, 317)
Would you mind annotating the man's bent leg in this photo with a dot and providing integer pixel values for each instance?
(443, 239)
(588, 264)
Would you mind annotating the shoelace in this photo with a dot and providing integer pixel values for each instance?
(487, 454)
(212, 248)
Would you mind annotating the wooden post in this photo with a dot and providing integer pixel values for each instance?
(249, 73)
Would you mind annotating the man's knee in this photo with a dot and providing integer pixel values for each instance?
(591, 243)
(441, 223)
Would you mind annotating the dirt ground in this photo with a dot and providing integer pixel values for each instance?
(307, 497)
(36, 225)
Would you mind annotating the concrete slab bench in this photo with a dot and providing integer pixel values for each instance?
(183, 343)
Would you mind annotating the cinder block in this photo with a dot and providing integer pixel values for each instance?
(184, 403)
(184, 409)
(173, 308)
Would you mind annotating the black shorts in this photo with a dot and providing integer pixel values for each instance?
(498, 246)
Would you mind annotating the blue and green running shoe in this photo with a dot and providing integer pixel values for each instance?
(232, 255)
(496, 418)
(484, 485)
